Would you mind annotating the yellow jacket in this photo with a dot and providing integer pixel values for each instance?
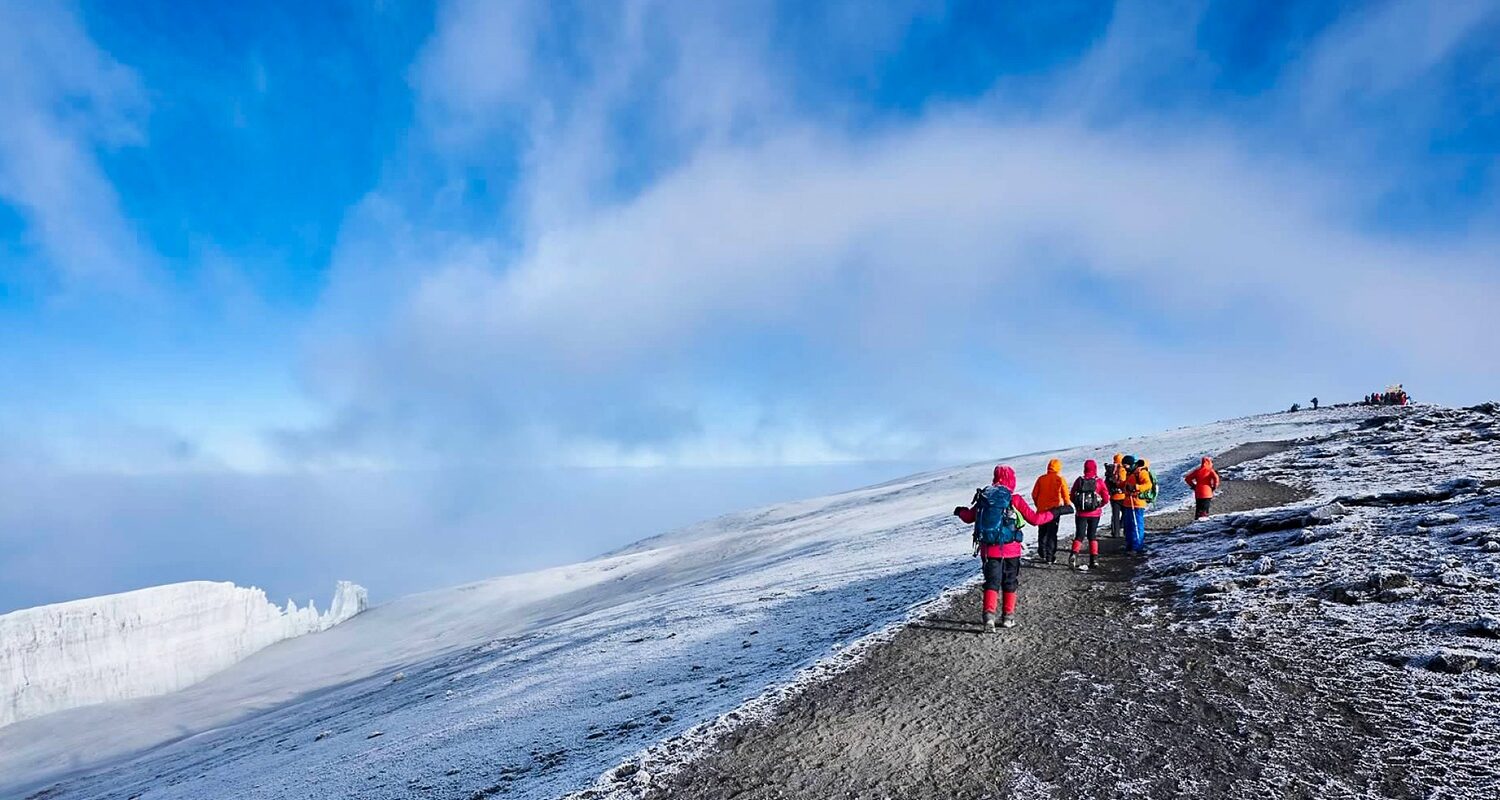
(1140, 482)
(1117, 492)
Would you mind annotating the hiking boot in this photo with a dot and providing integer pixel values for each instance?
(989, 623)
(1007, 621)
(1093, 562)
(1072, 559)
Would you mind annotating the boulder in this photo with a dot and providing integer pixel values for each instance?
(1389, 579)
(1451, 663)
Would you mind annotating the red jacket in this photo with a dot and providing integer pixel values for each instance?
(1005, 476)
(1203, 480)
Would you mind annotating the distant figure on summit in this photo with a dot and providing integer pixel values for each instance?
(1204, 481)
(997, 514)
(1315, 404)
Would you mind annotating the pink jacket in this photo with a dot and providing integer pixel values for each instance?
(1091, 470)
(1005, 476)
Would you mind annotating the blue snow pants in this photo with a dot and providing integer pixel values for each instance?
(1135, 529)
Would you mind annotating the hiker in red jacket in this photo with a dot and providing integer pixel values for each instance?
(998, 540)
(1204, 481)
(1089, 495)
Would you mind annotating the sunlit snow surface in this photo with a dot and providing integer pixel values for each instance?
(534, 685)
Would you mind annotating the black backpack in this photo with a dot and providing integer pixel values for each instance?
(1085, 495)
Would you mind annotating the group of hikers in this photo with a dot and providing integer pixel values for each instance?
(999, 513)
(1392, 396)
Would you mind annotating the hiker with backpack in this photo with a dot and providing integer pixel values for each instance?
(998, 513)
(1140, 492)
(1114, 478)
(1089, 496)
(1204, 481)
(1049, 491)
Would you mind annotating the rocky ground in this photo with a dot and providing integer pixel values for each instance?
(1345, 646)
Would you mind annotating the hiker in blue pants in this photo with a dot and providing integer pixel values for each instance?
(1140, 490)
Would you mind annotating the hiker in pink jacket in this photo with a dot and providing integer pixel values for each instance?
(998, 540)
(1090, 496)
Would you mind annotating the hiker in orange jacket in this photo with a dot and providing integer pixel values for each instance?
(1114, 478)
(1049, 491)
(1140, 491)
(1204, 481)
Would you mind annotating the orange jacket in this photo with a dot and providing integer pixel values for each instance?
(1203, 480)
(1050, 490)
(1117, 492)
(1137, 483)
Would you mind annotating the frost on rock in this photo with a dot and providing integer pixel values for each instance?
(146, 642)
(1398, 536)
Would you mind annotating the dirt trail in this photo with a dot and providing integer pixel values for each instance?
(1234, 496)
(1092, 695)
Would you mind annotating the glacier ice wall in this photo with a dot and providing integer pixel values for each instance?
(145, 642)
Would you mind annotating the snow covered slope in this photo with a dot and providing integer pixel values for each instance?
(141, 643)
(535, 684)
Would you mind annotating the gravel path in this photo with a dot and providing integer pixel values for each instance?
(1093, 694)
(1234, 496)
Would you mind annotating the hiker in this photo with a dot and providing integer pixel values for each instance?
(1315, 404)
(1140, 491)
(998, 513)
(1049, 491)
(1089, 496)
(1114, 478)
(1296, 407)
(1204, 481)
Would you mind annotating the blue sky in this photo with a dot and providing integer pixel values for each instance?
(391, 235)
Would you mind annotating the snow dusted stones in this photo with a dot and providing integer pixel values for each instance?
(1399, 540)
(145, 642)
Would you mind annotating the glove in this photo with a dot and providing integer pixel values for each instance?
(964, 513)
(1062, 511)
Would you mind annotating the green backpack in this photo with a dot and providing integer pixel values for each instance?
(1150, 494)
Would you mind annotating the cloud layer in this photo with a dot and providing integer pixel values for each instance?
(777, 283)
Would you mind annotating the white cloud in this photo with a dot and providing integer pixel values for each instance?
(800, 289)
(63, 98)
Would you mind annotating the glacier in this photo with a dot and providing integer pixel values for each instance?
(144, 642)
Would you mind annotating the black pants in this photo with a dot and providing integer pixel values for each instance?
(1002, 574)
(1203, 504)
(1116, 518)
(1046, 541)
(1085, 528)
